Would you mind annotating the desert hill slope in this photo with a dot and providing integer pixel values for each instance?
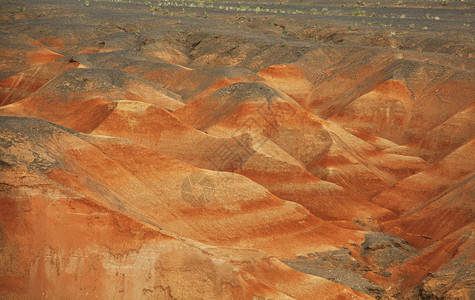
(205, 150)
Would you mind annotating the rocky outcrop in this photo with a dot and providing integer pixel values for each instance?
(338, 266)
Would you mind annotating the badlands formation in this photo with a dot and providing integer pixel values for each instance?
(237, 150)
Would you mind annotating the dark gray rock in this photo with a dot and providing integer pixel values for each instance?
(340, 267)
(385, 251)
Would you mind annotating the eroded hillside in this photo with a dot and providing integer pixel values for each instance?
(205, 150)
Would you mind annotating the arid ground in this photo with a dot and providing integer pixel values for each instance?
(237, 150)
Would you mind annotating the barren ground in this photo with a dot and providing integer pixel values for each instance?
(237, 150)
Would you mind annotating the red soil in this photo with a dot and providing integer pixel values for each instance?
(142, 159)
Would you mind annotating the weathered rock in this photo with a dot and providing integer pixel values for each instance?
(340, 267)
(385, 251)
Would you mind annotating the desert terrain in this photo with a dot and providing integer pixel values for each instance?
(237, 150)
